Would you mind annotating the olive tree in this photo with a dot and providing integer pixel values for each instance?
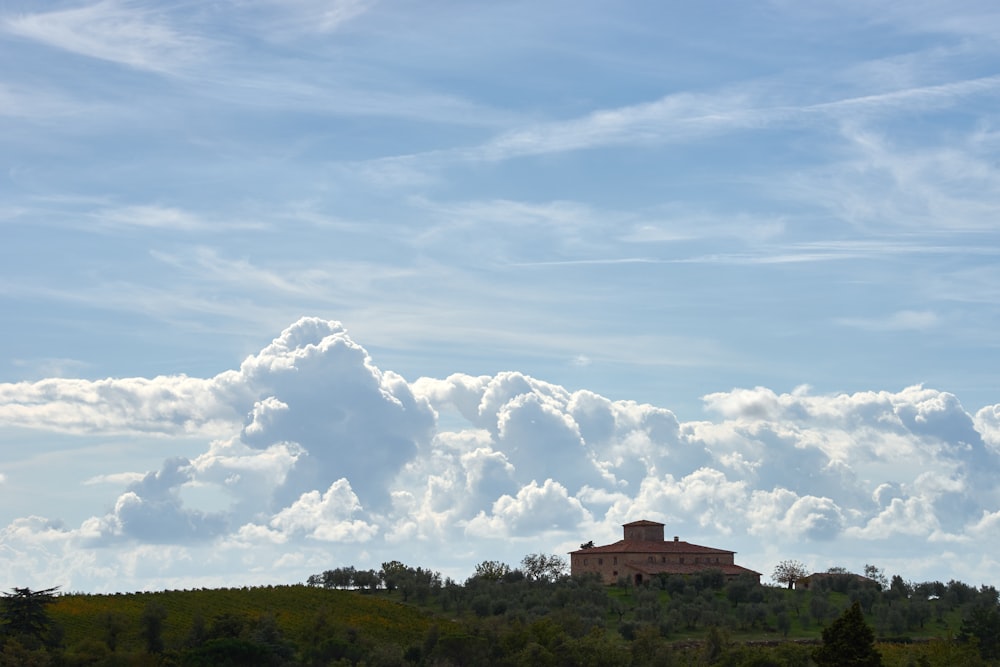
(492, 570)
(543, 567)
(788, 572)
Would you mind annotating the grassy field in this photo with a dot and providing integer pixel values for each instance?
(297, 610)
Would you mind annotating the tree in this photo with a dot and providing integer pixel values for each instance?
(391, 574)
(738, 590)
(113, 624)
(151, 621)
(788, 572)
(341, 577)
(23, 612)
(848, 642)
(981, 623)
(784, 622)
(492, 570)
(899, 589)
(366, 579)
(418, 581)
(542, 567)
(876, 575)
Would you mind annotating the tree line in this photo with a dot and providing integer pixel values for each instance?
(537, 614)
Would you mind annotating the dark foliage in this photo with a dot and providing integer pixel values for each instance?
(848, 642)
(24, 614)
(981, 624)
(153, 616)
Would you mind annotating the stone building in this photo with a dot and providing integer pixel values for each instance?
(643, 554)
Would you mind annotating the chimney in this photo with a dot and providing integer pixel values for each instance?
(676, 539)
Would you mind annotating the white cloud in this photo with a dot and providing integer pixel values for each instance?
(879, 181)
(122, 478)
(114, 31)
(326, 516)
(903, 320)
(334, 451)
(705, 497)
(676, 117)
(287, 20)
(987, 422)
(149, 216)
(792, 517)
(912, 516)
(535, 510)
(165, 405)
(687, 117)
(321, 16)
(37, 104)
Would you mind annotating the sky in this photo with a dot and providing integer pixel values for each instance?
(289, 285)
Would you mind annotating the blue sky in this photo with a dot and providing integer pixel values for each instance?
(288, 285)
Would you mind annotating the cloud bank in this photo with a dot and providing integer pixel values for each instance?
(315, 457)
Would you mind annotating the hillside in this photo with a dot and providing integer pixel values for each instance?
(410, 617)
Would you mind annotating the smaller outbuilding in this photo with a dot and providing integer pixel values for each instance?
(836, 581)
(643, 554)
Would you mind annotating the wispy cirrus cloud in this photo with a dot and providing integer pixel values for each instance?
(23, 102)
(287, 18)
(155, 216)
(114, 31)
(903, 320)
(150, 216)
(687, 117)
(117, 478)
(879, 181)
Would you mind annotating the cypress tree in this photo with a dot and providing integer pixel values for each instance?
(848, 642)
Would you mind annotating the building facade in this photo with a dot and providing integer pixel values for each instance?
(643, 553)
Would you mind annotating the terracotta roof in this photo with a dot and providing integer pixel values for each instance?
(643, 522)
(643, 547)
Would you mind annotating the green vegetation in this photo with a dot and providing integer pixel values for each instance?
(532, 615)
(848, 642)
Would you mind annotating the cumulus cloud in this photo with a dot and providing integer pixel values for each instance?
(313, 453)
(175, 405)
(151, 510)
(535, 510)
(325, 516)
(321, 390)
(987, 424)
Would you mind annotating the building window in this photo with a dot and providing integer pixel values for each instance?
(615, 561)
(663, 559)
(650, 559)
(584, 561)
(600, 561)
(682, 560)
